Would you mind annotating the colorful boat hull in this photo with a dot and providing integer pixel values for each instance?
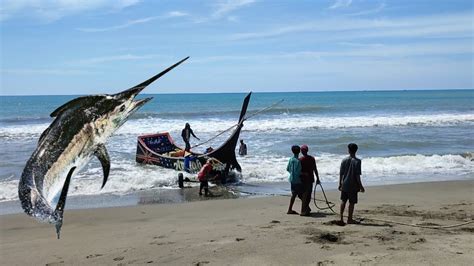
(159, 149)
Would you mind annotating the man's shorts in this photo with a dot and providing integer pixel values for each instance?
(351, 196)
(297, 189)
(204, 184)
(308, 187)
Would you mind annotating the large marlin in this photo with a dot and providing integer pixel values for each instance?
(78, 132)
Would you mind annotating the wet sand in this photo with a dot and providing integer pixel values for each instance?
(255, 231)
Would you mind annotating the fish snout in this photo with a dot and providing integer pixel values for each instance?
(141, 102)
(134, 91)
(130, 93)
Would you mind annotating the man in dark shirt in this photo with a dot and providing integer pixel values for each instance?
(308, 170)
(242, 148)
(186, 134)
(349, 182)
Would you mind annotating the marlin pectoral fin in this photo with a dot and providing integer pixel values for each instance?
(104, 159)
(62, 202)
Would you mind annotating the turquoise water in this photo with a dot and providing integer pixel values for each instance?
(403, 136)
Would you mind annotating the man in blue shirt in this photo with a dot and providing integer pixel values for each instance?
(294, 168)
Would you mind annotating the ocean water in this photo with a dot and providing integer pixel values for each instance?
(403, 136)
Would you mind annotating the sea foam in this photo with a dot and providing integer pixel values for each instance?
(126, 176)
(266, 124)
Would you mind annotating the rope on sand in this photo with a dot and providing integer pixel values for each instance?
(417, 225)
(331, 205)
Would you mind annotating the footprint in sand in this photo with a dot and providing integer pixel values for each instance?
(54, 263)
(93, 256)
(318, 236)
(326, 247)
(161, 243)
(325, 262)
(119, 258)
(419, 240)
(467, 229)
(393, 248)
(355, 254)
(272, 224)
(395, 232)
(335, 222)
(383, 238)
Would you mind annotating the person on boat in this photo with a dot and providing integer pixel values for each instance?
(294, 168)
(186, 133)
(308, 170)
(349, 182)
(204, 175)
(242, 148)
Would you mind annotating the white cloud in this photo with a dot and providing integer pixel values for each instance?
(233, 18)
(340, 4)
(51, 10)
(355, 50)
(115, 58)
(369, 11)
(175, 14)
(225, 7)
(169, 15)
(437, 26)
(121, 26)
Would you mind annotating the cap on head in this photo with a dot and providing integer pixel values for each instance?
(304, 148)
(352, 147)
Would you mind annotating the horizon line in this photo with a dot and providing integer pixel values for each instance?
(238, 92)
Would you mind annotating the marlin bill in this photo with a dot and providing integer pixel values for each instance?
(78, 133)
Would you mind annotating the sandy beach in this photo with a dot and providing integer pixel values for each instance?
(256, 231)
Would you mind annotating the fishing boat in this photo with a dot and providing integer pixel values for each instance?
(160, 149)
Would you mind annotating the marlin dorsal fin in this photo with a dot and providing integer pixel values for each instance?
(104, 159)
(45, 132)
(62, 202)
(76, 103)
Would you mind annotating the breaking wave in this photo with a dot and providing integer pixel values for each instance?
(266, 124)
(126, 176)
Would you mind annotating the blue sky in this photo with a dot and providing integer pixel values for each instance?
(104, 46)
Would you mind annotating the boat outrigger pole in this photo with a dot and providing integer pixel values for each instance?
(239, 123)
